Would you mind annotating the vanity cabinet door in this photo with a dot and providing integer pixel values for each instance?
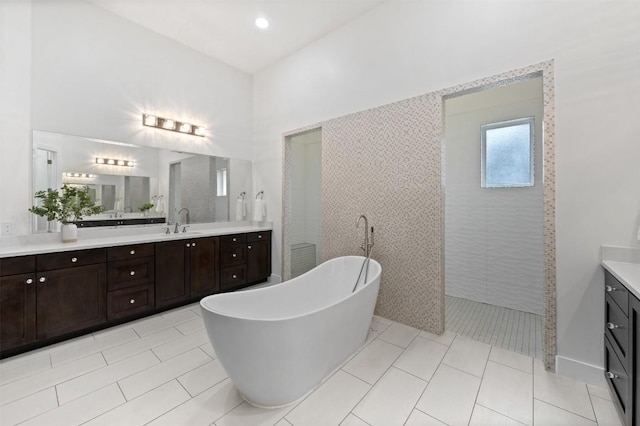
(70, 299)
(258, 261)
(203, 266)
(634, 355)
(172, 285)
(17, 310)
(258, 256)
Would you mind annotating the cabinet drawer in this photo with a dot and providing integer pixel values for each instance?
(67, 259)
(129, 252)
(228, 240)
(128, 273)
(616, 375)
(259, 236)
(129, 301)
(617, 327)
(232, 277)
(616, 291)
(17, 265)
(232, 255)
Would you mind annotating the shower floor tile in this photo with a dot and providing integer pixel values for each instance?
(516, 331)
(400, 377)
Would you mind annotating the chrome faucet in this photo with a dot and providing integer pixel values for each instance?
(175, 230)
(187, 215)
(366, 246)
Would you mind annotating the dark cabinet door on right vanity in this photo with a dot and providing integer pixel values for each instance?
(634, 363)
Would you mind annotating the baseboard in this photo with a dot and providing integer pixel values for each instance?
(579, 370)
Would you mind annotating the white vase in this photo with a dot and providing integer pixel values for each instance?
(69, 233)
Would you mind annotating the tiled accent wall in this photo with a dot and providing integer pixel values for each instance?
(386, 163)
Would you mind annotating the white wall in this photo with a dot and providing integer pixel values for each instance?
(493, 236)
(93, 74)
(403, 49)
(15, 114)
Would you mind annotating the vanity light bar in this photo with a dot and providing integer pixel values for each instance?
(114, 162)
(173, 125)
(78, 175)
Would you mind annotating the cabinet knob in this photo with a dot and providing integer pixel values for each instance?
(611, 375)
(188, 245)
(234, 240)
(42, 279)
(132, 273)
(259, 237)
(193, 244)
(249, 247)
(29, 281)
(612, 326)
(609, 289)
(234, 255)
(132, 301)
(74, 259)
(132, 252)
(234, 276)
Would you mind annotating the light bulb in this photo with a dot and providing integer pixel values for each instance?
(262, 23)
(169, 124)
(185, 128)
(150, 120)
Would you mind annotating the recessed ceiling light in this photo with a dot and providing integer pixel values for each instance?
(262, 23)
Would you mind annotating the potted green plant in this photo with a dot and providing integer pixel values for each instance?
(67, 205)
(145, 208)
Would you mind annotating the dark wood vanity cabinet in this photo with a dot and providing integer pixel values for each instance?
(71, 291)
(622, 348)
(186, 269)
(131, 284)
(48, 297)
(17, 301)
(245, 259)
(53, 295)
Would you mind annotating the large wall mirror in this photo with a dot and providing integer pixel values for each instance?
(123, 177)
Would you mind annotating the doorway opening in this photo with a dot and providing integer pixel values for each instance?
(494, 248)
(302, 218)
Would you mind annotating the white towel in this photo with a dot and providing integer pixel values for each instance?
(259, 210)
(241, 209)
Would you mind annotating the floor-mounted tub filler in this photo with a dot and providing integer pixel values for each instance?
(279, 343)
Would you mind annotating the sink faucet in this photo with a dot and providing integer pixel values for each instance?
(187, 215)
(175, 230)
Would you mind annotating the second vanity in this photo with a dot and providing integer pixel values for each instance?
(51, 291)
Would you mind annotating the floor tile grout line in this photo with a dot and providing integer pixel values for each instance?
(568, 411)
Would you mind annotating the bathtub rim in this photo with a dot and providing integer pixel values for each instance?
(307, 313)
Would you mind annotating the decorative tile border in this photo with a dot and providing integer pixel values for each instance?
(386, 162)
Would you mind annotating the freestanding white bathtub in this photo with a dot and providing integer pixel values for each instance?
(278, 343)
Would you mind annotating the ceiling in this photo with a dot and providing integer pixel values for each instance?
(225, 29)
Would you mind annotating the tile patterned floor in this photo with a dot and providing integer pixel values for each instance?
(162, 370)
(505, 328)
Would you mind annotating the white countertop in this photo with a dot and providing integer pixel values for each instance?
(624, 264)
(109, 237)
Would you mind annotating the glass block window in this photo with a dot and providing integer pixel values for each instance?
(507, 153)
